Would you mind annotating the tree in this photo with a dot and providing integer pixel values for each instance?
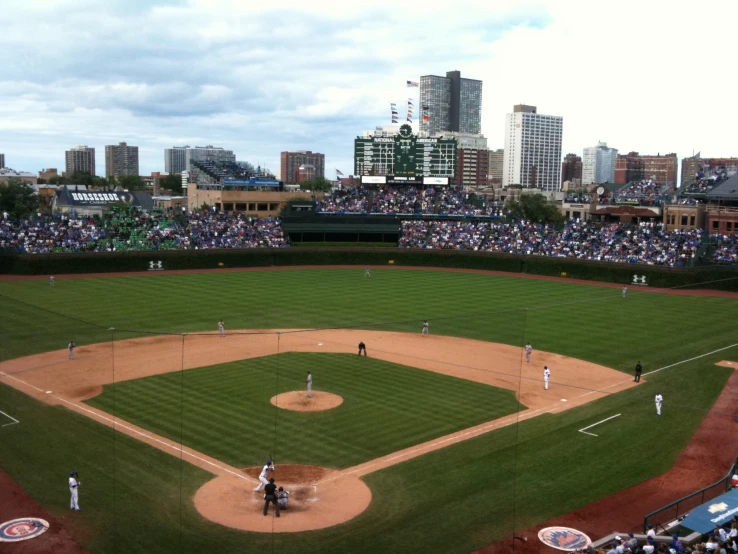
(17, 198)
(131, 182)
(172, 182)
(534, 208)
(318, 184)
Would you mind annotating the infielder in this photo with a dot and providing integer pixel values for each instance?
(362, 348)
(51, 281)
(546, 375)
(639, 370)
(367, 273)
(309, 381)
(625, 291)
(221, 328)
(74, 490)
(528, 352)
(425, 328)
(659, 401)
(263, 475)
(70, 349)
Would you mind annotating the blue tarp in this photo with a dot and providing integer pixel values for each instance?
(717, 511)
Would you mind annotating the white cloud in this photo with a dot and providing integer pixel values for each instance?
(264, 77)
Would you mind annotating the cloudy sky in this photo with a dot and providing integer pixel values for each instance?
(262, 77)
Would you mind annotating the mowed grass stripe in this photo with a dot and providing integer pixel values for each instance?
(387, 407)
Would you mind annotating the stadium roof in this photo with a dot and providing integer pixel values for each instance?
(728, 189)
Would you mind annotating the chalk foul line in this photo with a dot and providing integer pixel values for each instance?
(584, 429)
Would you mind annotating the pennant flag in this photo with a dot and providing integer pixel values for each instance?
(412, 84)
(425, 107)
(426, 118)
(338, 172)
(410, 101)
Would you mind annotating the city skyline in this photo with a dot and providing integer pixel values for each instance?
(49, 101)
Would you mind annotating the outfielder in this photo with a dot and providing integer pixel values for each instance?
(309, 381)
(70, 349)
(221, 328)
(51, 281)
(263, 475)
(625, 291)
(546, 375)
(74, 490)
(425, 328)
(367, 273)
(528, 351)
(659, 401)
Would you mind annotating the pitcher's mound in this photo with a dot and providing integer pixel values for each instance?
(319, 498)
(299, 401)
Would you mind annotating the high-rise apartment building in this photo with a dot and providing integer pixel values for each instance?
(696, 164)
(450, 103)
(598, 164)
(496, 163)
(634, 167)
(80, 158)
(121, 160)
(571, 169)
(472, 159)
(179, 158)
(290, 163)
(2, 161)
(532, 149)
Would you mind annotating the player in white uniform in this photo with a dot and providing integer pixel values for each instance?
(51, 281)
(625, 291)
(528, 351)
(659, 401)
(263, 475)
(367, 273)
(425, 328)
(309, 381)
(70, 349)
(74, 490)
(221, 328)
(546, 375)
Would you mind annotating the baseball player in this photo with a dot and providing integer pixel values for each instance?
(309, 381)
(283, 498)
(625, 291)
(425, 328)
(74, 490)
(639, 369)
(51, 281)
(263, 475)
(546, 375)
(221, 328)
(367, 273)
(528, 351)
(659, 401)
(362, 348)
(70, 349)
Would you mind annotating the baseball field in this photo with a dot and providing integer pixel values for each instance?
(440, 443)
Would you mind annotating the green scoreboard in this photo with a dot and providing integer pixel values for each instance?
(406, 158)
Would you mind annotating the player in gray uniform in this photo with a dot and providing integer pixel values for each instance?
(309, 381)
(51, 281)
(367, 272)
(625, 291)
(70, 349)
(425, 328)
(528, 351)
(221, 328)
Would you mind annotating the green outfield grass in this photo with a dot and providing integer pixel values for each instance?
(224, 410)
(136, 498)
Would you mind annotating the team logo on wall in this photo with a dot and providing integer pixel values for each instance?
(22, 529)
(564, 538)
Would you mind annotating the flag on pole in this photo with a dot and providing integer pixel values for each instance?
(338, 172)
(412, 84)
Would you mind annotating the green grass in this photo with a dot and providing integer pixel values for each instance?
(452, 500)
(224, 410)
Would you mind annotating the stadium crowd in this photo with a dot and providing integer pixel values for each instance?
(134, 230)
(726, 251)
(722, 540)
(646, 243)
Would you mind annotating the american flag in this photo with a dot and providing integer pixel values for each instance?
(411, 84)
(338, 172)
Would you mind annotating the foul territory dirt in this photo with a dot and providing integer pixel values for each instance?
(53, 378)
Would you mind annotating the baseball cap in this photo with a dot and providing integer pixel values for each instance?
(631, 535)
(618, 538)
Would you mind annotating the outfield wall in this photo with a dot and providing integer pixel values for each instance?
(712, 277)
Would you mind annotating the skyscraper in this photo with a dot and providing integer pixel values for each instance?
(80, 158)
(178, 158)
(532, 149)
(290, 163)
(450, 103)
(121, 160)
(598, 164)
(496, 163)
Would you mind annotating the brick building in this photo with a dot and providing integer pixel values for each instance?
(571, 168)
(696, 164)
(635, 167)
(290, 163)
